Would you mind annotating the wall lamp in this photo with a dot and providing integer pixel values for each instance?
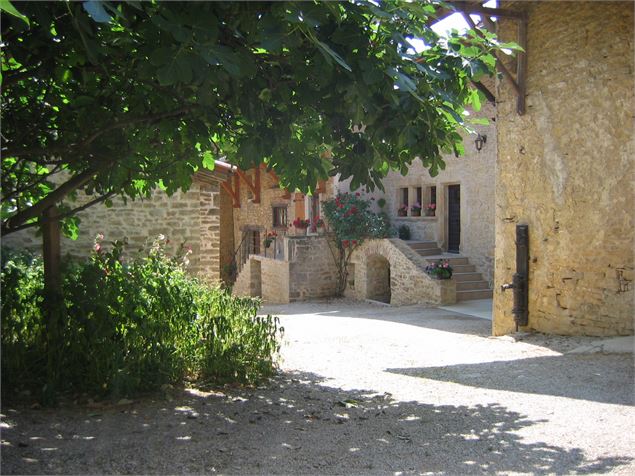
(480, 141)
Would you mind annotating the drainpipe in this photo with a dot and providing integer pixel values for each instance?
(520, 284)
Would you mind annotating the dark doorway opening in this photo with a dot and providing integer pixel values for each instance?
(454, 218)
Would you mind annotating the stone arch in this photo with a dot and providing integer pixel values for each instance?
(378, 284)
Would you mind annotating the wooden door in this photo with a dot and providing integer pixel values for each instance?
(454, 218)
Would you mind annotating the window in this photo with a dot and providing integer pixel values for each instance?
(280, 217)
(418, 195)
(433, 195)
(403, 195)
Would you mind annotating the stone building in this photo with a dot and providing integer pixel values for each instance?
(565, 168)
(192, 218)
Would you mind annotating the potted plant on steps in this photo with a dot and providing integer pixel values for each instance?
(439, 270)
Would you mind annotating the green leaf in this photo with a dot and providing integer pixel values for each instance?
(330, 53)
(6, 6)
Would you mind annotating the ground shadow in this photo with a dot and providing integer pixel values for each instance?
(579, 376)
(294, 425)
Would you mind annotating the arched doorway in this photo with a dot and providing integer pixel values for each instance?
(378, 278)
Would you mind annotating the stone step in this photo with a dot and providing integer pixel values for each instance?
(463, 268)
(428, 252)
(471, 285)
(454, 261)
(460, 277)
(474, 294)
(422, 245)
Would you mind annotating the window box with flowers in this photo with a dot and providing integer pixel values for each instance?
(415, 210)
(402, 211)
(431, 209)
(300, 226)
(439, 270)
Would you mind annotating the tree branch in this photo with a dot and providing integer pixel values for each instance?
(51, 199)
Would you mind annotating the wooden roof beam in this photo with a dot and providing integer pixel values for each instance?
(234, 191)
(254, 187)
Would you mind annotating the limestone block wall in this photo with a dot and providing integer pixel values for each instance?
(313, 272)
(190, 217)
(566, 169)
(408, 282)
(308, 272)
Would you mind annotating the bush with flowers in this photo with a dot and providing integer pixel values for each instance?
(440, 269)
(351, 222)
(129, 325)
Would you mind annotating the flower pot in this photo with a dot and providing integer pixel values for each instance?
(402, 213)
(429, 213)
(300, 232)
(415, 213)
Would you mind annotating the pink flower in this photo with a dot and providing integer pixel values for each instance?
(357, 194)
(345, 243)
(97, 248)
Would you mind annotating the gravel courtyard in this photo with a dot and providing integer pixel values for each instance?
(364, 389)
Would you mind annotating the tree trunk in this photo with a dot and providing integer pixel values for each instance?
(52, 310)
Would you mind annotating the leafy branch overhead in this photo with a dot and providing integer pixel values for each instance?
(136, 95)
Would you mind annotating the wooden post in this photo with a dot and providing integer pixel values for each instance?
(51, 252)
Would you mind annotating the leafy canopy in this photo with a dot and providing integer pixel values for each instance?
(124, 97)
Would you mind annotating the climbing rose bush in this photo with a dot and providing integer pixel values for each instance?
(351, 221)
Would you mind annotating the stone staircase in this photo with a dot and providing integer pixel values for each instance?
(469, 283)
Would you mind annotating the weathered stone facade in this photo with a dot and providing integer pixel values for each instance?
(475, 173)
(409, 284)
(191, 218)
(566, 169)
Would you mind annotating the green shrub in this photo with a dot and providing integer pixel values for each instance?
(23, 333)
(404, 232)
(132, 326)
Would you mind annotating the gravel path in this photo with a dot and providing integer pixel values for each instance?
(365, 389)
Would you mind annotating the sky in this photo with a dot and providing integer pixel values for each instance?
(454, 21)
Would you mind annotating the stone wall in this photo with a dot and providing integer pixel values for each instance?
(190, 218)
(409, 284)
(312, 269)
(475, 173)
(565, 168)
(306, 272)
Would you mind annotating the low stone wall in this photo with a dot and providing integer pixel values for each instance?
(307, 272)
(421, 228)
(313, 270)
(409, 284)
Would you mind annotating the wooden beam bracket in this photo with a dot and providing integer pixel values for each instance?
(254, 187)
(519, 83)
(233, 192)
